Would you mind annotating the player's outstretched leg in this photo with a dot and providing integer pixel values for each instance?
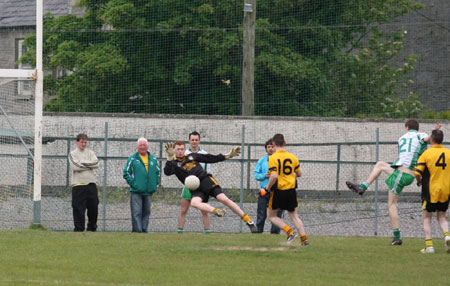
(355, 187)
(237, 210)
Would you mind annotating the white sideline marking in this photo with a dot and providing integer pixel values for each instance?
(67, 282)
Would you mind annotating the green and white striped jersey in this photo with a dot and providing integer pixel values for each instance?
(410, 147)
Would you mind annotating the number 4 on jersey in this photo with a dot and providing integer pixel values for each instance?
(441, 161)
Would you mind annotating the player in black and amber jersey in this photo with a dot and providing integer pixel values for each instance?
(183, 166)
(284, 168)
(433, 173)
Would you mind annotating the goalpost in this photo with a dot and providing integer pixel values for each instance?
(37, 76)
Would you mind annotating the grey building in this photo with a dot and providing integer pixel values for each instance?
(17, 20)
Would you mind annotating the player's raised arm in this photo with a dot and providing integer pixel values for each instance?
(436, 127)
(169, 167)
(233, 153)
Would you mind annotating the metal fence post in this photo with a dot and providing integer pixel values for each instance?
(377, 148)
(160, 161)
(68, 165)
(338, 166)
(105, 174)
(241, 197)
(248, 168)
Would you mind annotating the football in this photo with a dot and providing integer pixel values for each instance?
(192, 182)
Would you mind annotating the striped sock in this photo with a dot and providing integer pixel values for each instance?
(246, 218)
(206, 231)
(180, 230)
(364, 185)
(446, 233)
(428, 242)
(303, 238)
(288, 230)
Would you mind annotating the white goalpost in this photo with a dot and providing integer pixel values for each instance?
(39, 93)
(37, 76)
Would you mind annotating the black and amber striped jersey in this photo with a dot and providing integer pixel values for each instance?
(286, 165)
(434, 160)
(190, 165)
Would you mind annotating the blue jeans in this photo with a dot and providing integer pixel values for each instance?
(140, 212)
(261, 215)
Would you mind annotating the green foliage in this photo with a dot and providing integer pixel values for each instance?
(312, 58)
(396, 107)
(431, 114)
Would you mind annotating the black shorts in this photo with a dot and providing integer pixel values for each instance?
(208, 188)
(433, 207)
(283, 199)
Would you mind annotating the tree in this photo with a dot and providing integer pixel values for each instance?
(313, 58)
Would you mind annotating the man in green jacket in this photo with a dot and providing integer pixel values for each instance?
(142, 174)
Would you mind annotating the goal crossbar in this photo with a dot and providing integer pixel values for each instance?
(18, 73)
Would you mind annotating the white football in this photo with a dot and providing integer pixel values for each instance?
(192, 182)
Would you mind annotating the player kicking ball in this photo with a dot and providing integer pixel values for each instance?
(182, 166)
(410, 146)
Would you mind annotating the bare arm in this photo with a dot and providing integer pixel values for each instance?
(419, 179)
(437, 127)
(272, 179)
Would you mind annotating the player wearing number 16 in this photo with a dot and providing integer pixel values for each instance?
(433, 173)
(284, 168)
(410, 146)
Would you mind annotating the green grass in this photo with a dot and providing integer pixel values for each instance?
(36, 257)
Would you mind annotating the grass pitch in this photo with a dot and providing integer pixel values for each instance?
(35, 257)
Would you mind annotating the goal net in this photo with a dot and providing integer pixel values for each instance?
(16, 152)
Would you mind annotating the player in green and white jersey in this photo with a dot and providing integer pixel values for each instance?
(410, 146)
(194, 142)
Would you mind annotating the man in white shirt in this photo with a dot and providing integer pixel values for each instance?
(84, 190)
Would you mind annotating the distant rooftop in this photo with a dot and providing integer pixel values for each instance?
(22, 13)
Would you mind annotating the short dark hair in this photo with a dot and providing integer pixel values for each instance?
(81, 136)
(195, 133)
(278, 140)
(268, 142)
(438, 136)
(412, 124)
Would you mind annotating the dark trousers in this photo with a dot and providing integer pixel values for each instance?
(261, 215)
(85, 197)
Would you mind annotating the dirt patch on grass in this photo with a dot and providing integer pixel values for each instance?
(250, 248)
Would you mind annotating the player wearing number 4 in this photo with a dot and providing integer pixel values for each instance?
(182, 166)
(433, 173)
(284, 169)
(410, 146)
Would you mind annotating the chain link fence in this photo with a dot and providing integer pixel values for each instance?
(326, 205)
